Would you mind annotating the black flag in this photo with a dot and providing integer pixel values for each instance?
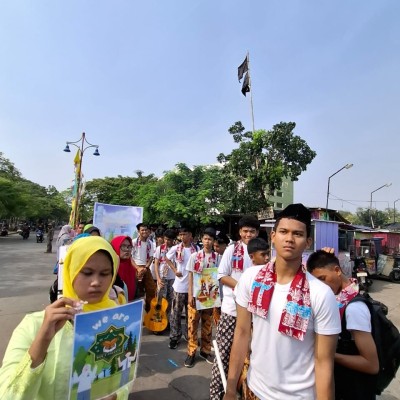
(243, 68)
(246, 84)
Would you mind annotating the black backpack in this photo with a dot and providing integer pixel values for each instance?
(386, 337)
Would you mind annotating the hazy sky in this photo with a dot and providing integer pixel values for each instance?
(154, 83)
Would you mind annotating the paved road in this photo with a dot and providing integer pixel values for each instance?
(26, 275)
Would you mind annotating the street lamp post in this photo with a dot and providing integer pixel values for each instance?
(347, 166)
(82, 147)
(370, 202)
(394, 210)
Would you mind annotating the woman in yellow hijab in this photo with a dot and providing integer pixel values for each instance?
(37, 362)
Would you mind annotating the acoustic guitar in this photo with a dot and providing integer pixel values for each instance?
(156, 319)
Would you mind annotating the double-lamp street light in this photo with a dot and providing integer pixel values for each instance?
(347, 166)
(370, 202)
(82, 147)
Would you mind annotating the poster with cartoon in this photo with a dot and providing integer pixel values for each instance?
(206, 289)
(114, 220)
(105, 351)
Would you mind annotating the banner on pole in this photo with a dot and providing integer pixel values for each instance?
(114, 220)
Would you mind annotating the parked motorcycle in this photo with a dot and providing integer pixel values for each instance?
(39, 236)
(360, 272)
(4, 231)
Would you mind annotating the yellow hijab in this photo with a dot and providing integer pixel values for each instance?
(77, 255)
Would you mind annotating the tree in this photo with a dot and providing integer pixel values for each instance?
(191, 196)
(260, 163)
(380, 218)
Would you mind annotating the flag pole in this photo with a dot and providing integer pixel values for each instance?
(251, 91)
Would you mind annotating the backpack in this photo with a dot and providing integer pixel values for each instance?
(386, 337)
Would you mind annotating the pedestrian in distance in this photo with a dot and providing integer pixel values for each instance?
(290, 318)
(49, 239)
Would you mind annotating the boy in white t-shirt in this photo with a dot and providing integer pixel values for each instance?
(177, 259)
(164, 274)
(142, 258)
(198, 263)
(294, 318)
(234, 262)
(355, 373)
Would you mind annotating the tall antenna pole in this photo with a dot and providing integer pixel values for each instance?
(251, 91)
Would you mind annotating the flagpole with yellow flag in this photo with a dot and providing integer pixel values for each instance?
(76, 191)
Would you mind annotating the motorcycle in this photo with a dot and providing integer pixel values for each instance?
(39, 236)
(24, 233)
(4, 231)
(360, 272)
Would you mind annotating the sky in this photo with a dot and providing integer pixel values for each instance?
(154, 83)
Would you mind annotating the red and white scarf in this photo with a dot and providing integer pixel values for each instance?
(346, 295)
(148, 247)
(163, 252)
(238, 256)
(297, 312)
(180, 252)
(200, 261)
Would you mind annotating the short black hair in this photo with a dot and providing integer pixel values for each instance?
(210, 232)
(257, 244)
(169, 233)
(185, 229)
(321, 259)
(138, 226)
(297, 212)
(159, 232)
(250, 221)
(222, 238)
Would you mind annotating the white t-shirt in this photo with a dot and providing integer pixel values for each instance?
(358, 317)
(225, 269)
(192, 260)
(282, 367)
(163, 269)
(181, 285)
(139, 254)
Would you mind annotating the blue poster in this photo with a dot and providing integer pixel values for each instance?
(105, 351)
(114, 220)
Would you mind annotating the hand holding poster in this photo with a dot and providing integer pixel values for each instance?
(105, 351)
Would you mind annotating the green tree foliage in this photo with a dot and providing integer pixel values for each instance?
(186, 196)
(191, 197)
(260, 163)
(24, 199)
(380, 218)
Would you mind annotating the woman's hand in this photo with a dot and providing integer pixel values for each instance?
(55, 317)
